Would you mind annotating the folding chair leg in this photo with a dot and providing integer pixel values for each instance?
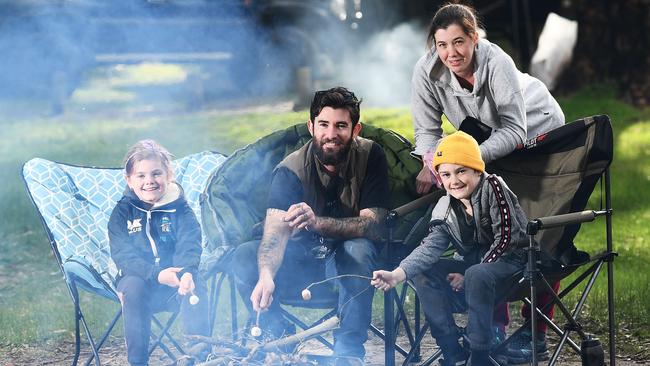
(415, 350)
(214, 298)
(233, 308)
(117, 316)
(302, 325)
(165, 332)
(77, 337)
(79, 317)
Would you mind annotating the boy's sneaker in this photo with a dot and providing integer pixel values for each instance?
(520, 352)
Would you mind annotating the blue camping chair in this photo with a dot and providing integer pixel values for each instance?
(74, 204)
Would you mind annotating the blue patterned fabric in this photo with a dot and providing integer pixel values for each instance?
(76, 202)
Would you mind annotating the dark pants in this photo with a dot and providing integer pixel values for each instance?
(482, 281)
(300, 268)
(141, 299)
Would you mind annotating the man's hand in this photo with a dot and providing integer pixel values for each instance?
(456, 281)
(169, 277)
(385, 280)
(186, 285)
(300, 216)
(262, 295)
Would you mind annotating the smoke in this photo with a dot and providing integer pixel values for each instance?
(380, 69)
(74, 51)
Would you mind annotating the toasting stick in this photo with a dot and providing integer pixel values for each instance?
(256, 331)
(306, 294)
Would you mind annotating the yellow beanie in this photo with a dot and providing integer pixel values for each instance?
(458, 148)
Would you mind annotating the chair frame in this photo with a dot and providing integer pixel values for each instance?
(74, 282)
(535, 277)
(532, 274)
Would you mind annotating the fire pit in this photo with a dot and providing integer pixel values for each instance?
(253, 352)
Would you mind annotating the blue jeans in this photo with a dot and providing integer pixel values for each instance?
(478, 298)
(300, 268)
(141, 299)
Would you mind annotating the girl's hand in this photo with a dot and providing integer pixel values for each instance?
(169, 277)
(456, 281)
(186, 285)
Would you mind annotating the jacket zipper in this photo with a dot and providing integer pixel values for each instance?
(147, 230)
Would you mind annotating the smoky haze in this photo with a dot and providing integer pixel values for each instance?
(225, 50)
(380, 71)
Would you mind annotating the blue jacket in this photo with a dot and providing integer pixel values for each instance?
(145, 239)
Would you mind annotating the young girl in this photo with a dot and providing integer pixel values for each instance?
(155, 242)
(482, 219)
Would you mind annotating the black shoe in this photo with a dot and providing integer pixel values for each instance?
(519, 349)
(502, 356)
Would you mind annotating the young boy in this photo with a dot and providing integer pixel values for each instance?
(482, 219)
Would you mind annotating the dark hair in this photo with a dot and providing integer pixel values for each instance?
(144, 150)
(448, 14)
(337, 98)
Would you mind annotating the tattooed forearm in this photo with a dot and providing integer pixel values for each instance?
(274, 241)
(368, 224)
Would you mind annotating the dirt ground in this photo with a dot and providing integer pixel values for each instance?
(61, 353)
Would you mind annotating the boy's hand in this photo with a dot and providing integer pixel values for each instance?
(168, 276)
(456, 281)
(385, 280)
(186, 285)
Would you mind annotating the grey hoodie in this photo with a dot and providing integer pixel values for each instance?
(514, 104)
(500, 228)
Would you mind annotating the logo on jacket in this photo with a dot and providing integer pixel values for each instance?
(134, 226)
(165, 224)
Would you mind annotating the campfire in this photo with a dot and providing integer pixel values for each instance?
(255, 352)
(226, 353)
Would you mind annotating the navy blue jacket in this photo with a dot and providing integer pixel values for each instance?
(136, 229)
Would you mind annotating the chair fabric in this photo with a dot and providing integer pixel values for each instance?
(75, 203)
(556, 173)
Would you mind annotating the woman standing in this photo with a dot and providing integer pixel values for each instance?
(464, 76)
(471, 80)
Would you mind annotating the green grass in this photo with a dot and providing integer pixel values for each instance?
(34, 303)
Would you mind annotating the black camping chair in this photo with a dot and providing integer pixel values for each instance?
(553, 177)
(74, 204)
(236, 199)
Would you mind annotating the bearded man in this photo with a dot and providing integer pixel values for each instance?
(326, 204)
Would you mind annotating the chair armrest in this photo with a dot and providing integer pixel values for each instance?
(400, 211)
(573, 218)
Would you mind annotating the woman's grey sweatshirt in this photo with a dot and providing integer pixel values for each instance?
(514, 104)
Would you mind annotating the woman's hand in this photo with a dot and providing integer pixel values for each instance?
(424, 181)
(456, 281)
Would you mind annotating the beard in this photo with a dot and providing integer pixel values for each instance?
(334, 156)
